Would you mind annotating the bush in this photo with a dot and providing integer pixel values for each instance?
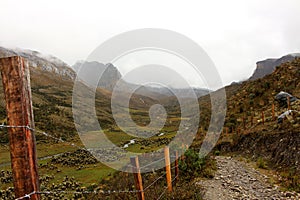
(217, 152)
(261, 163)
(194, 166)
(291, 179)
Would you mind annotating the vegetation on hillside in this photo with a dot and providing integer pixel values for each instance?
(272, 145)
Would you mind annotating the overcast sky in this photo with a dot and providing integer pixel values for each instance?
(234, 33)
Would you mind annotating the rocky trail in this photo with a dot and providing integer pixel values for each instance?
(238, 180)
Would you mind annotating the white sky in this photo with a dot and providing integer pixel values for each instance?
(234, 33)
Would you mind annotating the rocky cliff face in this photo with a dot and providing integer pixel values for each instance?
(268, 66)
(90, 72)
(44, 62)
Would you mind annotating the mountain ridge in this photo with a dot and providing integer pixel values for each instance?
(37, 60)
(110, 75)
(268, 66)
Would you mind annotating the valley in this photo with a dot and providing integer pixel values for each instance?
(65, 166)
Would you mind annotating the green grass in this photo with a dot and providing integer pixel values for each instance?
(43, 150)
(95, 139)
(4, 154)
(261, 163)
(52, 149)
(88, 175)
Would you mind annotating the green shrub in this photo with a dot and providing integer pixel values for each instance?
(217, 152)
(195, 166)
(261, 163)
(291, 179)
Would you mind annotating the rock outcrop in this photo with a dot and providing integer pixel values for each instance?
(268, 66)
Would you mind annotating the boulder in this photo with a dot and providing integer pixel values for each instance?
(282, 96)
(287, 115)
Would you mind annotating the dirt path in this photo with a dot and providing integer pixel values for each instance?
(236, 180)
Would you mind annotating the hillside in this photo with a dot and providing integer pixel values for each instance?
(275, 144)
(37, 60)
(52, 87)
(268, 66)
(259, 95)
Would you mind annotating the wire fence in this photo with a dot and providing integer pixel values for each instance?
(162, 194)
(106, 192)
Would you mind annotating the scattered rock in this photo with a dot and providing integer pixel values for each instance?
(236, 180)
(282, 96)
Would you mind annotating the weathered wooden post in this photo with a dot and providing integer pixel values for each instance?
(168, 168)
(273, 112)
(17, 91)
(137, 177)
(244, 123)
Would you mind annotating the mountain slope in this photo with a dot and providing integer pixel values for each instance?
(91, 72)
(52, 100)
(44, 62)
(267, 66)
(277, 144)
(259, 94)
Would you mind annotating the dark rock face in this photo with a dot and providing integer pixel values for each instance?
(266, 67)
(282, 98)
(281, 148)
(95, 73)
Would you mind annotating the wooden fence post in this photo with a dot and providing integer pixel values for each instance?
(244, 123)
(168, 168)
(176, 166)
(17, 91)
(288, 102)
(273, 112)
(137, 177)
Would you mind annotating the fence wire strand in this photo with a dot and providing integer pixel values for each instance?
(85, 192)
(162, 194)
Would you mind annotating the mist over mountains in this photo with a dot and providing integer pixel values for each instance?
(90, 72)
(44, 62)
(110, 75)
